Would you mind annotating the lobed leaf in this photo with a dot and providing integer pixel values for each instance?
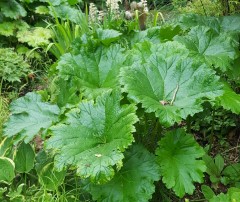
(218, 24)
(178, 155)
(37, 36)
(12, 9)
(29, 116)
(95, 72)
(167, 82)
(94, 139)
(208, 46)
(134, 182)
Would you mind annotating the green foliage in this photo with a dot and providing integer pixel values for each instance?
(221, 24)
(115, 87)
(64, 92)
(230, 100)
(12, 9)
(214, 167)
(7, 28)
(231, 175)
(65, 12)
(29, 116)
(178, 155)
(102, 131)
(5, 146)
(134, 182)
(232, 195)
(6, 169)
(95, 72)
(24, 158)
(3, 112)
(48, 176)
(207, 192)
(173, 85)
(38, 36)
(107, 36)
(203, 7)
(207, 46)
(64, 34)
(13, 67)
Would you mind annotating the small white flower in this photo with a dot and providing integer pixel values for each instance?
(113, 5)
(145, 6)
(128, 15)
(101, 15)
(93, 12)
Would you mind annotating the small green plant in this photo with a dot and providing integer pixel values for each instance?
(13, 67)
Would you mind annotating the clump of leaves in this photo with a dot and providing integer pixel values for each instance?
(37, 36)
(92, 129)
(203, 7)
(13, 67)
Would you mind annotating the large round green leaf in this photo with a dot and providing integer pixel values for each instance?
(29, 116)
(210, 47)
(7, 167)
(95, 138)
(134, 182)
(96, 72)
(169, 83)
(24, 158)
(178, 155)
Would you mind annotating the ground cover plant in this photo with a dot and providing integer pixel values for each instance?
(130, 114)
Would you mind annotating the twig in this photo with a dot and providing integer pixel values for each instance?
(231, 149)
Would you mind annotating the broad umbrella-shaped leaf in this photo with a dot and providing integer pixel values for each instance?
(94, 139)
(96, 72)
(206, 45)
(178, 155)
(171, 85)
(218, 24)
(7, 167)
(24, 158)
(29, 116)
(134, 182)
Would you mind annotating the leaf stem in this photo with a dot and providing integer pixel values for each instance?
(174, 95)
